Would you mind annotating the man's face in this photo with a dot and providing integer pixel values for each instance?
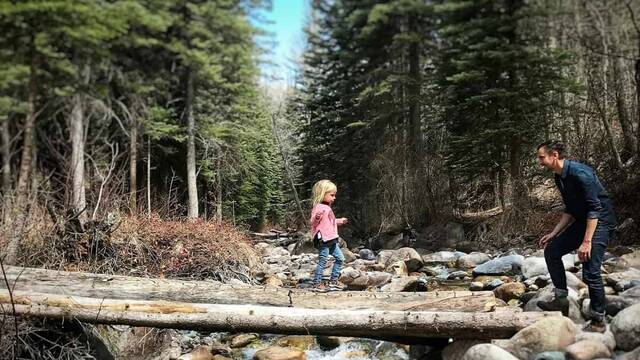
(547, 159)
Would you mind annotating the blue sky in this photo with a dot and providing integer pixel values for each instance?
(288, 20)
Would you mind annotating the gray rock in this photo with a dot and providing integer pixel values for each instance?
(493, 284)
(631, 292)
(406, 283)
(472, 260)
(626, 328)
(633, 355)
(487, 352)
(587, 350)
(410, 256)
(506, 265)
(457, 275)
(366, 254)
(547, 294)
(457, 349)
(607, 338)
(446, 258)
(550, 355)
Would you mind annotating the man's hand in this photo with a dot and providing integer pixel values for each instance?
(584, 251)
(542, 243)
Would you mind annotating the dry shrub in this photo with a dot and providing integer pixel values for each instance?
(144, 247)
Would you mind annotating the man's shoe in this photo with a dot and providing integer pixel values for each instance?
(557, 304)
(335, 285)
(596, 326)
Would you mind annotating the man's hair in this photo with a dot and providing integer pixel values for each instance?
(554, 145)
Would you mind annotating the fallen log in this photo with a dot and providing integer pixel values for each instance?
(271, 319)
(30, 280)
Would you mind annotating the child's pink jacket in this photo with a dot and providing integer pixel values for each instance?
(324, 221)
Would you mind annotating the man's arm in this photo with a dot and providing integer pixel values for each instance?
(584, 251)
(565, 220)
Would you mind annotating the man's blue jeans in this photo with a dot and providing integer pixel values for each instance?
(326, 248)
(569, 240)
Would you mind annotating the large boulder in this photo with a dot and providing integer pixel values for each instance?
(623, 280)
(535, 266)
(457, 349)
(410, 256)
(449, 235)
(633, 355)
(549, 334)
(487, 352)
(506, 265)
(547, 294)
(633, 292)
(606, 338)
(626, 328)
(632, 259)
(361, 280)
(366, 254)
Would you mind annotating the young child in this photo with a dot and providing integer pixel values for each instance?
(324, 231)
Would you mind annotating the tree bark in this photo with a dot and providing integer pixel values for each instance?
(24, 172)
(191, 148)
(133, 288)
(271, 319)
(133, 167)
(6, 157)
(76, 132)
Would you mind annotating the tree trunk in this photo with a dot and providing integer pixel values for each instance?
(22, 188)
(76, 130)
(133, 167)
(413, 89)
(6, 158)
(219, 181)
(271, 319)
(191, 149)
(619, 78)
(32, 280)
(148, 178)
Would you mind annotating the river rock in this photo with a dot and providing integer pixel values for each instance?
(574, 282)
(506, 265)
(348, 255)
(360, 280)
(487, 352)
(633, 355)
(272, 280)
(550, 355)
(537, 265)
(199, 353)
(633, 292)
(301, 342)
(632, 259)
(550, 334)
(623, 280)
(510, 291)
(457, 349)
(607, 338)
(446, 258)
(493, 284)
(410, 256)
(366, 254)
(615, 264)
(472, 260)
(405, 283)
(279, 353)
(547, 294)
(476, 286)
(242, 340)
(626, 328)
(398, 268)
(587, 350)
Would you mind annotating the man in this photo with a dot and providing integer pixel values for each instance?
(586, 225)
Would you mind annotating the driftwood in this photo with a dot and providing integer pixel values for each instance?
(272, 319)
(30, 280)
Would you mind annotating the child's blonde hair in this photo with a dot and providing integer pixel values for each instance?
(320, 189)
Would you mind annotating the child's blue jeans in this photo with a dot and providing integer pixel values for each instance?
(329, 248)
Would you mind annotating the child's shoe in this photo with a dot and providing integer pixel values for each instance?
(335, 285)
(320, 287)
